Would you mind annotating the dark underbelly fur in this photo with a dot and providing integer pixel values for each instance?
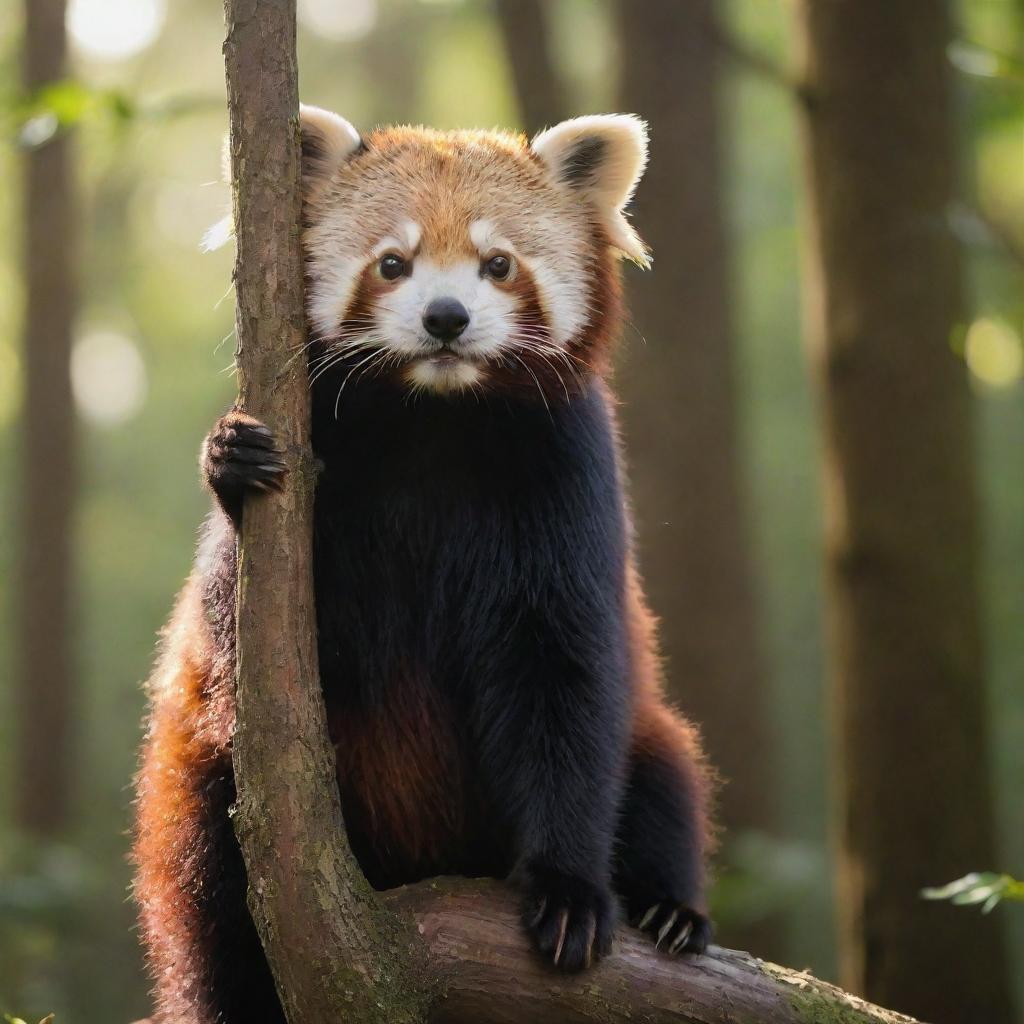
(441, 527)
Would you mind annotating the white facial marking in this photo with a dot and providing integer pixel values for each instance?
(443, 376)
(392, 243)
(492, 312)
(405, 240)
(331, 284)
(559, 285)
(485, 237)
(412, 233)
(563, 296)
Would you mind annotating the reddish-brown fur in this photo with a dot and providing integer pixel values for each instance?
(404, 772)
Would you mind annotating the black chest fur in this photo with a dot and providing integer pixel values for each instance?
(440, 526)
(437, 520)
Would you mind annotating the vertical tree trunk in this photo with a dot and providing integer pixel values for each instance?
(45, 680)
(885, 290)
(329, 942)
(528, 46)
(680, 414)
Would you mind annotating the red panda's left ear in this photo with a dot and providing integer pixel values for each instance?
(328, 140)
(602, 156)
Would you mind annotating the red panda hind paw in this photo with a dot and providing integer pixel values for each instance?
(675, 928)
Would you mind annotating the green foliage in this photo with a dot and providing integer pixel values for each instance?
(35, 119)
(985, 887)
(56, 107)
(972, 59)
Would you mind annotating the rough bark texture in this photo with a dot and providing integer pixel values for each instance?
(329, 942)
(45, 673)
(482, 971)
(906, 662)
(681, 411)
(490, 976)
(528, 46)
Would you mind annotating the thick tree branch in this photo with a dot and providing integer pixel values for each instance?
(488, 975)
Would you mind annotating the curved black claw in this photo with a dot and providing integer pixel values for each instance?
(570, 920)
(675, 927)
(241, 454)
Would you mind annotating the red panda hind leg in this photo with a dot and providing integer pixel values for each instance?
(662, 837)
(664, 834)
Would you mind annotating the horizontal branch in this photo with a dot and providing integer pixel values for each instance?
(487, 974)
(482, 971)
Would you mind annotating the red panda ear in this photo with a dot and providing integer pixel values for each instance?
(602, 156)
(327, 142)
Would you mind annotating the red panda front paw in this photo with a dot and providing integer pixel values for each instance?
(570, 920)
(238, 454)
(675, 927)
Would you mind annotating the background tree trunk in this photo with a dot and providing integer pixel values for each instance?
(680, 416)
(538, 86)
(885, 297)
(45, 670)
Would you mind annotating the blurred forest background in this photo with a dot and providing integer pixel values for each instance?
(723, 414)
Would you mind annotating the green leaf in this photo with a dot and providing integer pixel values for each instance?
(39, 116)
(987, 888)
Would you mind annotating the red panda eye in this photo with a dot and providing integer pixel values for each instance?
(392, 267)
(498, 267)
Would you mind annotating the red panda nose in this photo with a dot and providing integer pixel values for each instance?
(445, 319)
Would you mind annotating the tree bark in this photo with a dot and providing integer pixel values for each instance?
(329, 942)
(908, 683)
(45, 670)
(538, 87)
(680, 416)
(488, 974)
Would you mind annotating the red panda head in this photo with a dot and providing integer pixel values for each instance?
(452, 261)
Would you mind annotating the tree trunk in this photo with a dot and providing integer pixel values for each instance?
(528, 47)
(680, 416)
(329, 942)
(45, 672)
(885, 291)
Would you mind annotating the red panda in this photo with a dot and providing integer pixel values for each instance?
(488, 662)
